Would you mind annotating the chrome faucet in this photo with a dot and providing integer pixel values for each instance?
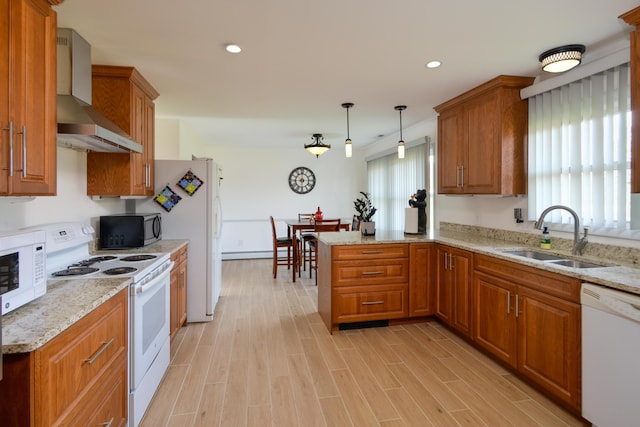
(578, 243)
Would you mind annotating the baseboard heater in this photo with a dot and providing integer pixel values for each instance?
(361, 325)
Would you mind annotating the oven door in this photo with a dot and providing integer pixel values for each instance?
(149, 323)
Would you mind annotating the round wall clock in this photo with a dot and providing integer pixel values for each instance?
(302, 180)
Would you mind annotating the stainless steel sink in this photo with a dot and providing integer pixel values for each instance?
(540, 256)
(577, 264)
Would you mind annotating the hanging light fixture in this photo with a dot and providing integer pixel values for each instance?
(317, 147)
(563, 58)
(399, 108)
(347, 143)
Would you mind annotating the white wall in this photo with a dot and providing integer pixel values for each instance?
(255, 186)
(70, 204)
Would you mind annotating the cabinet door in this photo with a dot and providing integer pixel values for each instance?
(460, 269)
(182, 289)
(495, 318)
(32, 101)
(422, 279)
(444, 294)
(4, 95)
(174, 285)
(549, 343)
(450, 151)
(483, 159)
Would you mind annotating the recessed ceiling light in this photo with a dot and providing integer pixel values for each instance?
(433, 64)
(233, 48)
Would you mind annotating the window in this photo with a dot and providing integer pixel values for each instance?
(579, 152)
(392, 181)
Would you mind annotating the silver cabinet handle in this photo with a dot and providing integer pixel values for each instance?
(24, 150)
(371, 252)
(462, 175)
(372, 302)
(99, 352)
(372, 273)
(108, 423)
(517, 303)
(508, 302)
(10, 129)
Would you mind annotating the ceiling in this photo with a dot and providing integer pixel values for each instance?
(302, 59)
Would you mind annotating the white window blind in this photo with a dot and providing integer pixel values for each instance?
(391, 183)
(579, 151)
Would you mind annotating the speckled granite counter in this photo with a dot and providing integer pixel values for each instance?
(622, 274)
(169, 246)
(31, 326)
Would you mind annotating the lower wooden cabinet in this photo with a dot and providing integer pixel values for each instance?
(178, 291)
(453, 301)
(422, 279)
(80, 375)
(530, 319)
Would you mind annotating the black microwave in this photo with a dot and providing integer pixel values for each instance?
(124, 231)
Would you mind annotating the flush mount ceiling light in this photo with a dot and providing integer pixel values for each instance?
(433, 64)
(317, 147)
(233, 48)
(347, 143)
(400, 108)
(563, 58)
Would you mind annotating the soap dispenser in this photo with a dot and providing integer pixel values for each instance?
(545, 240)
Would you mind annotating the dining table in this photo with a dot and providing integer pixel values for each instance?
(295, 225)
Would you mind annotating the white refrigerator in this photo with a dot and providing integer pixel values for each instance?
(187, 195)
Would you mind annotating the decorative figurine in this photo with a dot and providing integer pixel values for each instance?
(419, 201)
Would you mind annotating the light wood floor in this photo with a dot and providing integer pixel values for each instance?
(268, 360)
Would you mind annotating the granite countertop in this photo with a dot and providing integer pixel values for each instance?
(33, 325)
(616, 274)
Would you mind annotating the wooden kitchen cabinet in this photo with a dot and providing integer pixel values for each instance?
(481, 139)
(422, 279)
(632, 17)
(361, 283)
(28, 98)
(78, 376)
(530, 319)
(178, 291)
(126, 98)
(453, 300)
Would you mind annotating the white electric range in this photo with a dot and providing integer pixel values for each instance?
(68, 258)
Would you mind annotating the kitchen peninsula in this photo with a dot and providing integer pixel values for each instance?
(473, 281)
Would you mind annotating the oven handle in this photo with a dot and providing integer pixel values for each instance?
(153, 282)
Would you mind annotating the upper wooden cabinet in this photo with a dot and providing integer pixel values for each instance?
(125, 98)
(27, 98)
(481, 139)
(633, 18)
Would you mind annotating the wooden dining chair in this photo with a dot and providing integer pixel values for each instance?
(355, 224)
(321, 225)
(282, 242)
(303, 239)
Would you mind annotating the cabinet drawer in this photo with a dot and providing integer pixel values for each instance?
(535, 278)
(106, 403)
(77, 358)
(356, 304)
(353, 273)
(364, 252)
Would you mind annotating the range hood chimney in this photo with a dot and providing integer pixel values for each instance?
(80, 126)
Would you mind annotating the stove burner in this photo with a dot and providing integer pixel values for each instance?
(75, 271)
(119, 270)
(91, 261)
(103, 258)
(143, 257)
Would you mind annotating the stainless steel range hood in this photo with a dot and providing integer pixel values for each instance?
(80, 126)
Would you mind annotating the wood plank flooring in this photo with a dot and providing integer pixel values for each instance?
(268, 360)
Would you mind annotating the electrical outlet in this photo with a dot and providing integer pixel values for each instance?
(517, 214)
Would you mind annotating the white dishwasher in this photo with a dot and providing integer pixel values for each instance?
(610, 356)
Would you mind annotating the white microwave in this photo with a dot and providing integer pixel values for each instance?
(22, 268)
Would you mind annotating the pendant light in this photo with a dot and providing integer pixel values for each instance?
(399, 108)
(317, 147)
(347, 143)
